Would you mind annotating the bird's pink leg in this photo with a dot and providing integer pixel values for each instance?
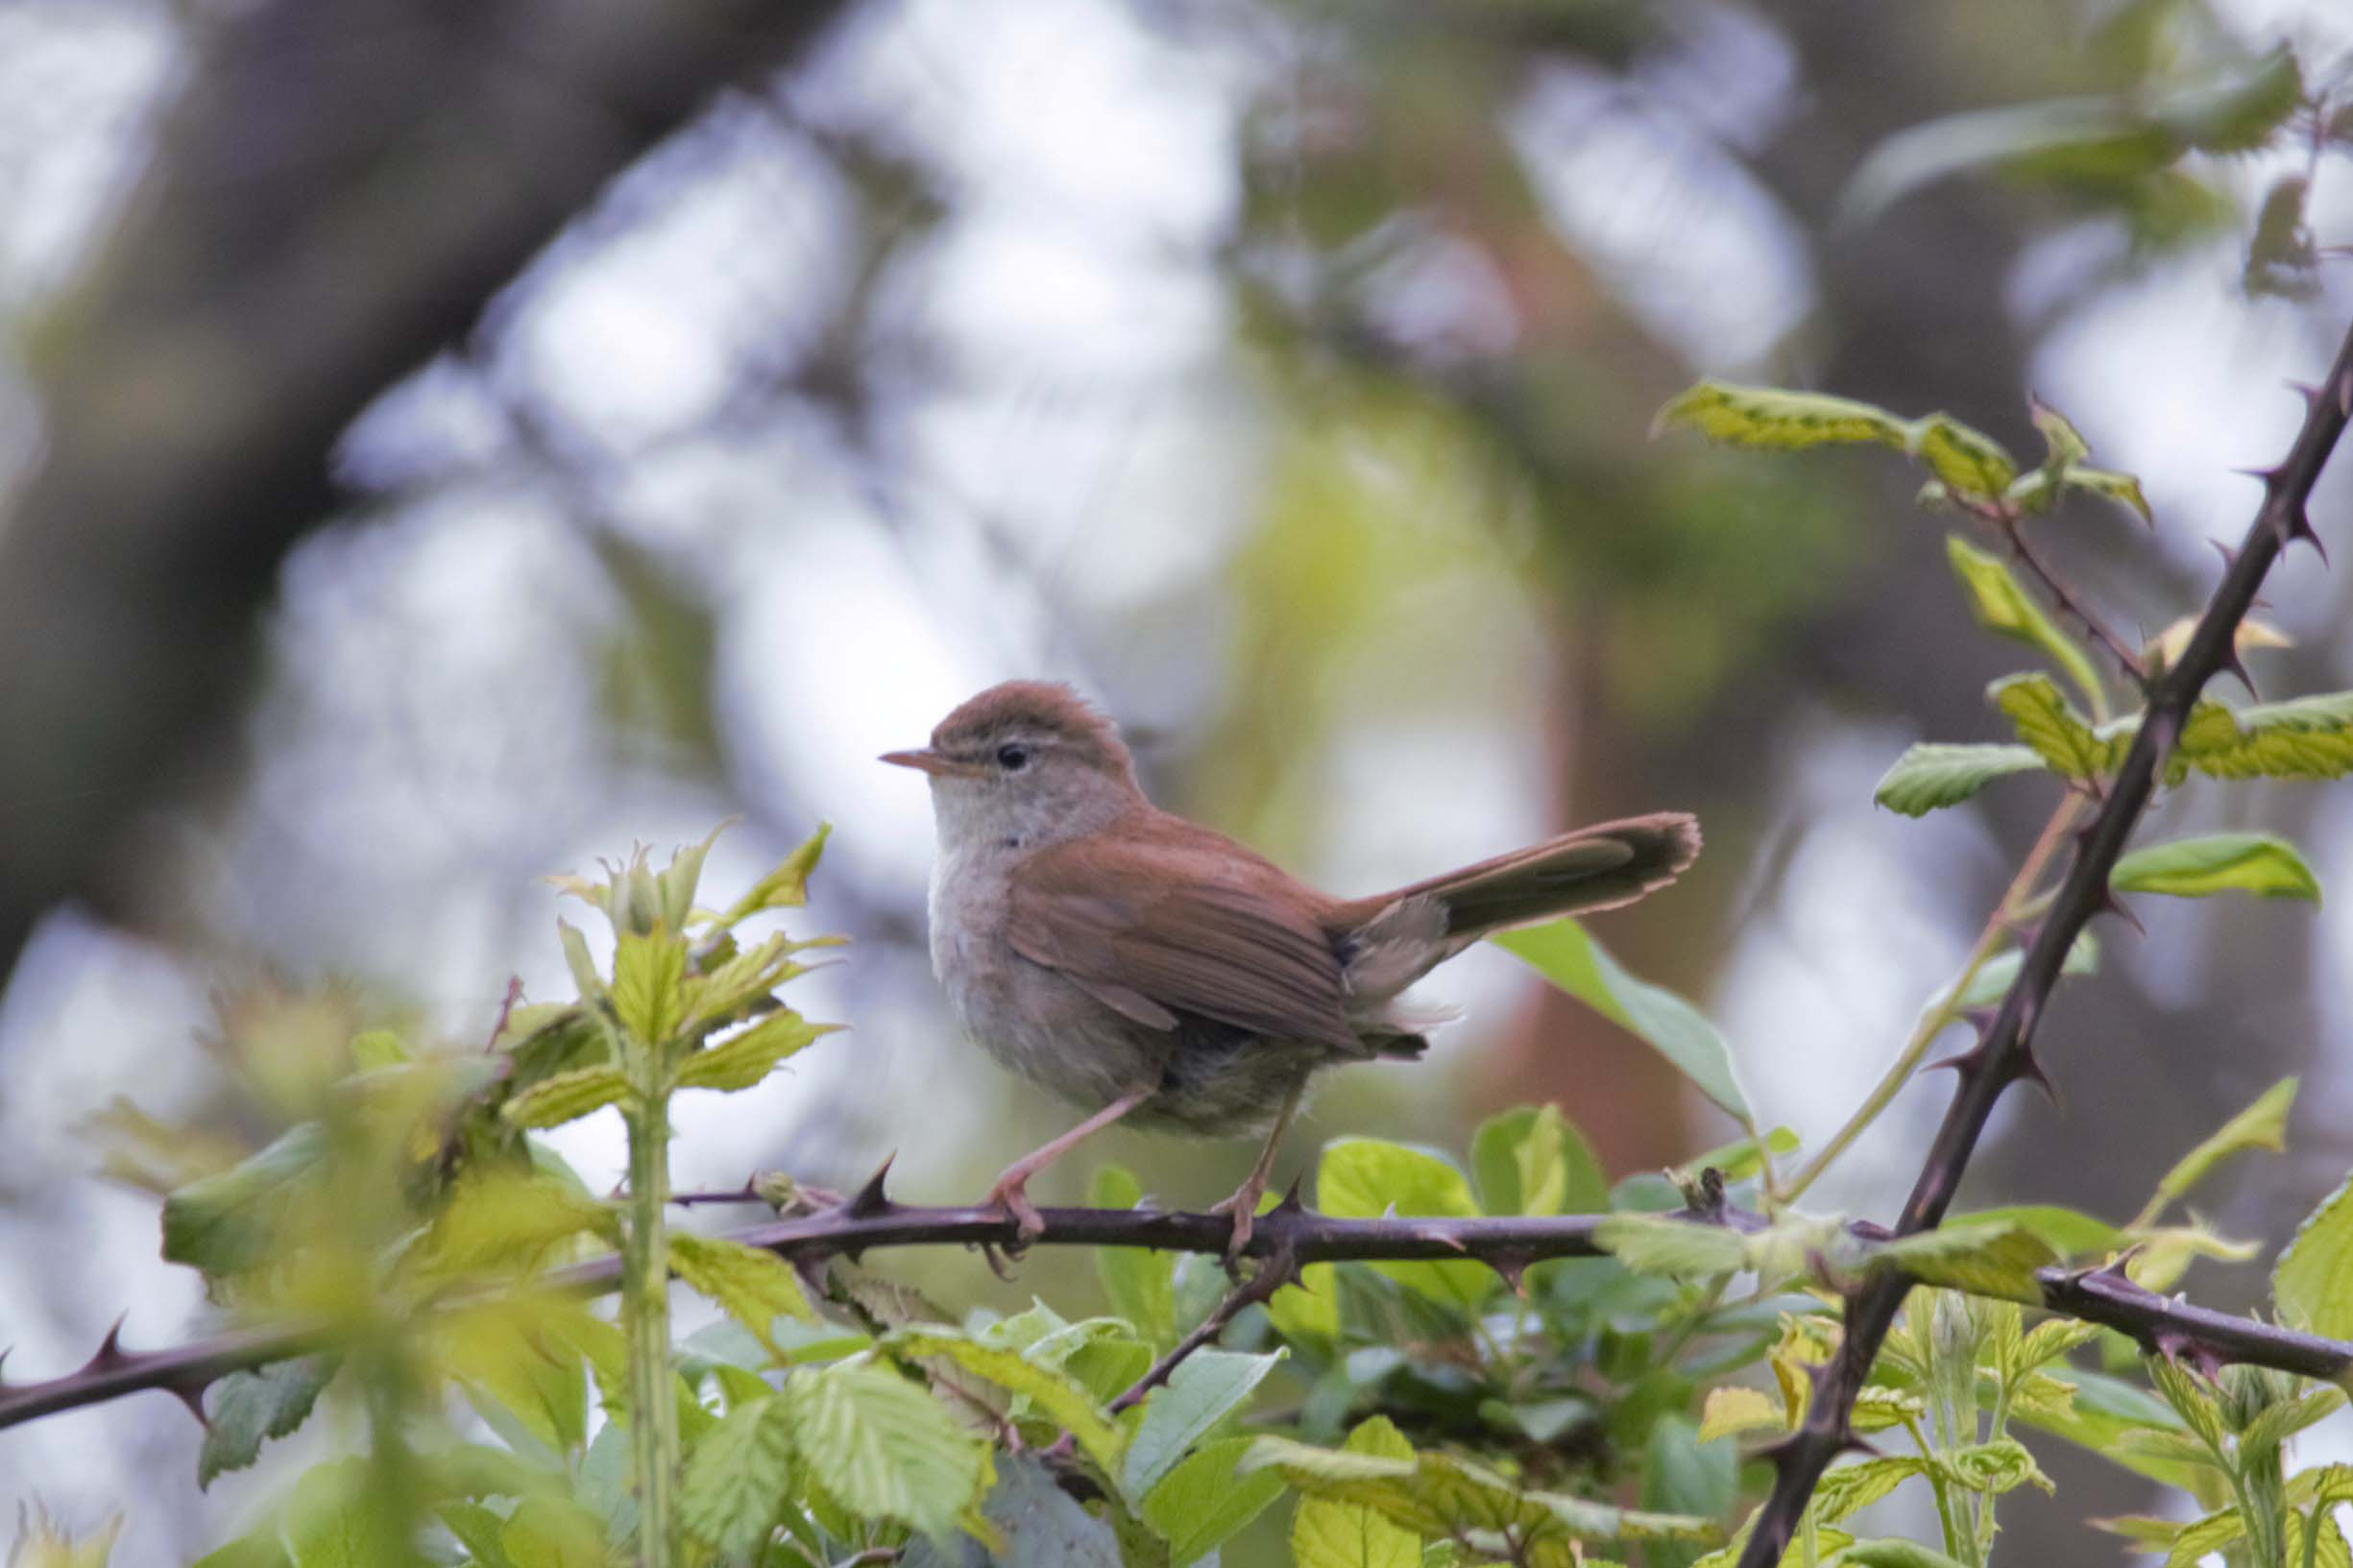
(1243, 1204)
(1012, 1192)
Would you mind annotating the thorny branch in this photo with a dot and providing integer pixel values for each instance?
(2003, 1052)
(1285, 1237)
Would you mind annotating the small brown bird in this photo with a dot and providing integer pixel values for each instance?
(1141, 966)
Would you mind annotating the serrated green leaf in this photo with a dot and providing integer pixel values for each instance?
(649, 974)
(576, 958)
(567, 1097)
(2190, 1400)
(1996, 1260)
(1533, 1161)
(2122, 487)
(1655, 1244)
(224, 1224)
(2203, 1536)
(496, 1350)
(738, 1479)
(1843, 1490)
(2067, 1232)
(1929, 775)
(495, 1221)
(2191, 868)
(2313, 1285)
(2048, 1342)
(2308, 738)
(752, 1287)
(2003, 606)
(1331, 1534)
(1051, 1392)
(1363, 1178)
(2063, 444)
(545, 1532)
(2058, 734)
(2276, 1423)
(1565, 954)
(1893, 1552)
(883, 1447)
(1779, 421)
(1202, 1504)
(1207, 1387)
(749, 1056)
(2262, 1125)
(247, 1408)
(1309, 1309)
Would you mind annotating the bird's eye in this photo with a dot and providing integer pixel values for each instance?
(1012, 759)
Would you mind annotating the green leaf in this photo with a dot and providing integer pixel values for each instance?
(1741, 1159)
(1651, 1244)
(2067, 1232)
(250, 1407)
(1732, 1409)
(2262, 1125)
(2063, 444)
(1207, 1387)
(2312, 1286)
(1851, 1487)
(2191, 1401)
(576, 959)
(1363, 1178)
(1930, 776)
(2258, 863)
(1201, 1503)
(1564, 953)
(1311, 1307)
(2122, 487)
(224, 1224)
(2205, 1536)
(883, 1447)
(2001, 606)
(1331, 1534)
(650, 976)
(1053, 1393)
(752, 1287)
(748, 1056)
(2308, 738)
(738, 1479)
(1532, 1161)
(1966, 461)
(2238, 112)
(1682, 1475)
(1139, 1282)
(1779, 421)
(2058, 733)
(1997, 1260)
(787, 887)
(567, 1097)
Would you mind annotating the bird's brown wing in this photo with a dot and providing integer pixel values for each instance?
(1160, 918)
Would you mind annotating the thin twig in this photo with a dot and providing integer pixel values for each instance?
(869, 1220)
(1265, 1280)
(2004, 1054)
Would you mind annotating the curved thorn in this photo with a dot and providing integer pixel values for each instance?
(2111, 904)
(1290, 1202)
(109, 1350)
(870, 1199)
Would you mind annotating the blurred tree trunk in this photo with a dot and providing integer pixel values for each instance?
(343, 187)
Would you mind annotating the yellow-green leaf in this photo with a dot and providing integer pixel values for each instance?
(787, 887)
(1851, 1487)
(1997, 1260)
(1140, 1282)
(752, 1287)
(1532, 1161)
(1775, 420)
(1363, 1178)
(650, 971)
(2313, 1285)
(1732, 1409)
(2044, 721)
(2308, 738)
(882, 1447)
(749, 1055)
(2001, 606)
(738, 1479)
(1202, 1504)
(1967, 461)
(1329, 1535)
(2258, 863)
(567, 1097)
(1053, 1393)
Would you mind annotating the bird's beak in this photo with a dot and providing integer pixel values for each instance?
(928, 760)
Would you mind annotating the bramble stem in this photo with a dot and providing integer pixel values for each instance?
(645, 1307)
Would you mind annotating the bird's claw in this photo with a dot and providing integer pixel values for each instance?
(1243, 1206)
(1014, 1197)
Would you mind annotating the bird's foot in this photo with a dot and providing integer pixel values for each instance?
(1012, 1195)
(1244, 1207)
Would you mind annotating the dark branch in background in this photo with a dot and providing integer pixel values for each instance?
(320, 220)
(2003, 1052)
(1284, 1239)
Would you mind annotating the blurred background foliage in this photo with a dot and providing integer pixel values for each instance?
(439, 442)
